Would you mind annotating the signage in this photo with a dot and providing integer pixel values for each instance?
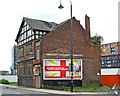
(61, 69)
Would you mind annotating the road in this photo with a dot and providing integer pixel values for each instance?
(20, 92)
(5, 91)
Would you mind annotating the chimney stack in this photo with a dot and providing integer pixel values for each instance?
(87, 24)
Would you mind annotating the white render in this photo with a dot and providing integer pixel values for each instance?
(110, 71)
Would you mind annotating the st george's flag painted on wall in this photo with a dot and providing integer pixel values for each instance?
(61, 69)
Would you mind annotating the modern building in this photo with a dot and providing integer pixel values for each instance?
(44, 50)
(110, 63)
(13, 67)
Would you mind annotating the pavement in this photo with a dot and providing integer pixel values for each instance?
(49, 91)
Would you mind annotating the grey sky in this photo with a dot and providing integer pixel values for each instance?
(103, 16)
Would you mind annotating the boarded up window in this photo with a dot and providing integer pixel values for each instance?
(29, 49)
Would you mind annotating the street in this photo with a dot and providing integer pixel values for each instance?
(13, 92)
(7, 91)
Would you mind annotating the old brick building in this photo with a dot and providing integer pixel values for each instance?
(52, 41)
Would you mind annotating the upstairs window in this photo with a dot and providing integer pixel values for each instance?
(27, 27)
(29, 49)
(116, 48)
(113, 45)
(21, 37)
(25, 35)
(29, 33)
(21, 52)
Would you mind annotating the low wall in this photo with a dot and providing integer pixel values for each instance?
(66, 83)
(10, 78)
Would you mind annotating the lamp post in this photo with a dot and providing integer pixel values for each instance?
(61, 7)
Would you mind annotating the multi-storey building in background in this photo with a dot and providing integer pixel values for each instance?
(110, 63)
(13, 67)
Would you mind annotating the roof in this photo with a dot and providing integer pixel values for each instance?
(37, 25)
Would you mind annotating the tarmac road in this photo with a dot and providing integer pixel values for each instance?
(20, 92)
(7, 91)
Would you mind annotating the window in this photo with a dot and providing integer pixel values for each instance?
(116, 48)
(108, 46)
(113, 61)
(36, 36)
(23, 30)
(21, 37)
(37, 32)
(108, 65)
(30, 38)
(28, 67)
(24, 41)
(112, 52)
(108, 62)
(40, 33)
(102, 58)
(105, 46)
(21, 52)
(113, 45)
(104, 50)
(115, 57)
(29, 33)
(44, 33)
(32, 33)
(29, 49)
(21, 68)
(107, 58)
(102, 62)
(37, 54)
(119, 57)
(25, 35)
(33, 37)
(27, 27)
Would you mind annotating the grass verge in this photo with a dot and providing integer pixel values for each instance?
(81, 89)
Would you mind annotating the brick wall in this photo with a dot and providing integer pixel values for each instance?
(58, 41)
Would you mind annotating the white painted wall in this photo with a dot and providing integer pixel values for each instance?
(10, 78)
(110, 71)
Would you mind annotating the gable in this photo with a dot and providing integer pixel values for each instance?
(34, 24)
(60, 38)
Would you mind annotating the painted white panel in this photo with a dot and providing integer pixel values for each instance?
(10, 78)
(110, 71)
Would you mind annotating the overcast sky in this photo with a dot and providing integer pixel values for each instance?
(103, 19)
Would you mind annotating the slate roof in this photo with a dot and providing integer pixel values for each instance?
(39, 24)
